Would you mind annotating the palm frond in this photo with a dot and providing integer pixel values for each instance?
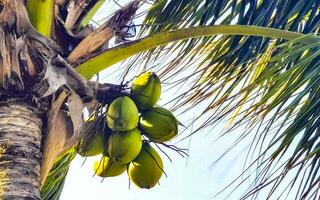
(286, 14)
(96, 63)
(289, 97)
(89, 15)
(41, 13)
(52, 188)
(164, 15)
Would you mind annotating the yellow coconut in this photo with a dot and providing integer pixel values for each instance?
(124, 146)
(122, 114)
(158, 124)
(146, 169)
(106, 167)
(146, 90)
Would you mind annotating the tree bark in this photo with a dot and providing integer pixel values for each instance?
(20, 154)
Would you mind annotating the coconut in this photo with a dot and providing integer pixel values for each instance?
(122, 114)
(146, 90)
(95, 146)
(158, 124)
(146, 169)
(106, 167)
(124, 146)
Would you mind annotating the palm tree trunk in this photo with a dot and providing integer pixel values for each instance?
(20, 154)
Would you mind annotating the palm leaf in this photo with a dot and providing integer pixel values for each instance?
(89, 15)
(290, 99)
(41, 13)
(52, 188)
(97, 63)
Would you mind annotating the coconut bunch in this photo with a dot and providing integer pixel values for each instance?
(132, 123)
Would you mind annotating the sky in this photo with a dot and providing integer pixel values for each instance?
(188, 178)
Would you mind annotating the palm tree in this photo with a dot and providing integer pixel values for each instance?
(252, 62)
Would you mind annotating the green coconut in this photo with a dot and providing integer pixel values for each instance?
(124, 146)
(122, 114)
(107, 167)
(94, 147)
(158, 124)
(147, 168)
(146, 90)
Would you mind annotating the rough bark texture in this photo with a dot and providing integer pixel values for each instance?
(20, 154)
